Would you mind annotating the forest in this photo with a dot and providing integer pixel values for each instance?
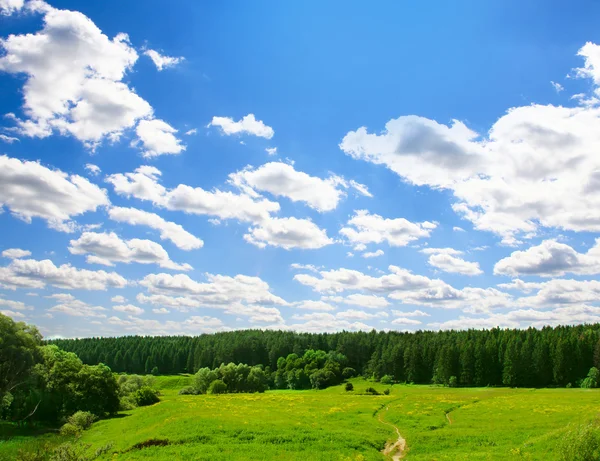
(560, 356)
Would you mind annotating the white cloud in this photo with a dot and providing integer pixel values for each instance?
(317, 306)
(8, 139)
(8, 7)
(550, 258)
(288, 233)
(58, 196)
(446, 260)
(353, 314)
(281, 179)
(324, 322)
(557, 86)
(371, 254)
(191, 132)
(308, 267)
(15, 253)
(536, 167)
(74, 78)
(364, 228)
(271, 150)
(192, 325)
(69, 305)
(247, 125)
(161, 311)
(458, 229)
(12, 314)
(107, 248)
(118, 299)
(15, 305)
(30, 273)
(94, 170)
(158, 138)
(128, 309)
(168, 230)
(162, 62)
(415, 313)
(405, 321)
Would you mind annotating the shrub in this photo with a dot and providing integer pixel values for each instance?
(453, 381)
(82, 419)
(217, 387)
(146, 396)
(386, 379)
(70, 430)
(69, 452)
(349, 387)
(592, 379)
(371, 391)
(154, 371)
(190, 390)
(386, 392)
(582, 443)
(348, 372)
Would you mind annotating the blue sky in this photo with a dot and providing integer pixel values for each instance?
(409, 165)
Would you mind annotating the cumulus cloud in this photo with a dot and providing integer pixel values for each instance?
(94, 170)
(320, 306)
(8, 7)
(308, 267)
(8, 139)
(536, 166)
(364, 228)
(74, 76)
(191, 325)
(15, 253)
(271, 150)
(415, 313)
(550, 258)
(157, 138)
(128, 309)
(373, 254)
(107, 248)
(283, 180)
(267, 230)
(447, 260)
(69, 305)
(288, 233)
(161, 61)
(30, 273)
(30, 190)
(168, 230)
(118, 299)
(247, 125)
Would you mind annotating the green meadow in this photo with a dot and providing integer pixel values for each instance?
(437, 423)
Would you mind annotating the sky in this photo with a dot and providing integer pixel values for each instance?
(199, 167)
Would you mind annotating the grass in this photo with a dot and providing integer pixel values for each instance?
(437, 423)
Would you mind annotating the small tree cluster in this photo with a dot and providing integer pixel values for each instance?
(228, 378)
(137, 391)
(315, 369)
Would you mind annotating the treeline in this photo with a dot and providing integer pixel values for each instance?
(525, 358)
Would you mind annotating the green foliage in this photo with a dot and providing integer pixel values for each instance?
(129, 385)
(386, 391)
(146, 396)
(18, 353)
(371, 391)
(349, 387)
(316, 368)
(386, 379)
(348, 373)
(189, 390)
(154, 371)
(70, 430)
(237, 378)
(82, 419)
(582, 443)
(217, 387)
(592, 379)
(453, 381)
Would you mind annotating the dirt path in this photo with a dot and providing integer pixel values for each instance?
(397, 449)
(448, 418)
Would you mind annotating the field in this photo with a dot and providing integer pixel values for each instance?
(437, 424)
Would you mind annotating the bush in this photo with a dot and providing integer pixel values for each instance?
(217, 387)
(348, 372)
(69, 452)
(82, 419)
(386, 379)
(582, 443)
(593, 377)
(349, 387)
(70, 430)
(146, 396)
(190, 390)
(453, 381)
(371, 391)
(386, 392)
